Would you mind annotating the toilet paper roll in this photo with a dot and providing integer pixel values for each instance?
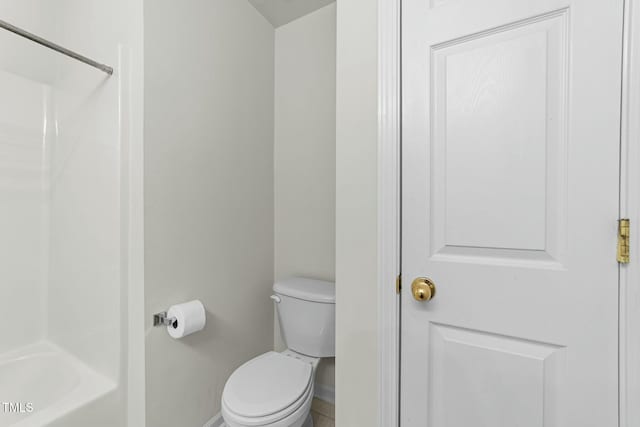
(190, 317)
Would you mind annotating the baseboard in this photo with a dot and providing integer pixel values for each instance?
(216, 421)
(326, 393)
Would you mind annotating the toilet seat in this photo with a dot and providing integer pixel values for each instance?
(296, 417)
(272, 389)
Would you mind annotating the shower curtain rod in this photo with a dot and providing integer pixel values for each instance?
(56, 47)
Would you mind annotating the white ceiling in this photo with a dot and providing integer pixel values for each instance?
(279, 12)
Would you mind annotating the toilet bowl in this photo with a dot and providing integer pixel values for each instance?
(273, 389)
(276, 389)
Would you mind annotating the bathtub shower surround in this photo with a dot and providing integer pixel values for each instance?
(59, 196)
(66, 179)
(45, 382)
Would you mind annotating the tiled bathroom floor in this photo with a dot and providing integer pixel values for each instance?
(323, 413)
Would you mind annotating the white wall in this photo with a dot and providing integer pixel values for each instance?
(209, 76)
(356, 214)
(305, 113)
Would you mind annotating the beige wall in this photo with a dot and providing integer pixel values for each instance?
(356, 214)
(305, 112)
(209, 75)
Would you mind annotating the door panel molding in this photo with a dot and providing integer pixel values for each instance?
(537, 165)
(488, 356)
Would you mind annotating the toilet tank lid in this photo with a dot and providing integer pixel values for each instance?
(307, 289)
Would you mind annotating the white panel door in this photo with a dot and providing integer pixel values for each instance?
(511, 118)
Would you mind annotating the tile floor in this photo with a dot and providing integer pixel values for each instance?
(323, 413)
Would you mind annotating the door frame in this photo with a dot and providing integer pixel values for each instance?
(389, 209)
(629, 313)
(389, 203)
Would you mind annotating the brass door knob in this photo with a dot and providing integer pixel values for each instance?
(423, 289)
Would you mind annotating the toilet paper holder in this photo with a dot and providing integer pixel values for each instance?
(161, 319)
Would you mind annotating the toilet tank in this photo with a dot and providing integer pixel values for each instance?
(307, 314)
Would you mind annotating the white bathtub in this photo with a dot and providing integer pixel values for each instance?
(52, 381)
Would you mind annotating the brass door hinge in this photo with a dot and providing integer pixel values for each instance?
(398, 283)
(624, 232)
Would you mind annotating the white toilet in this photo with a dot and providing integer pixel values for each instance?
(276, 389)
